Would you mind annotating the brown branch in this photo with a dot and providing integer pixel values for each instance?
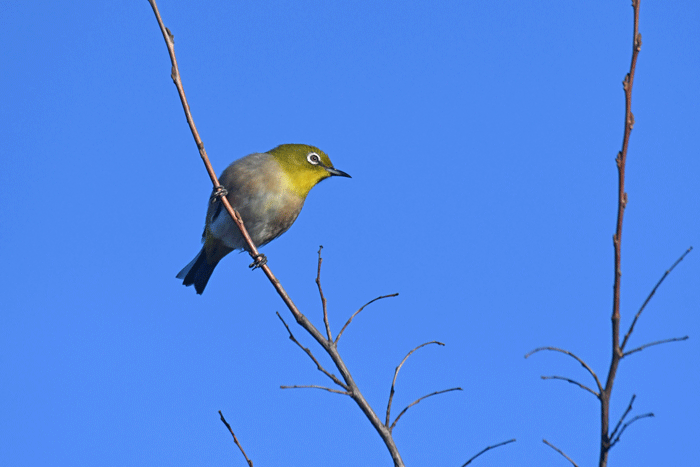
(391, 428)
(311, 356)
(663, 341)
(396, 374)
(353, 391)
(323, 298)
(315, 387)
(328, 345)
(624, 427)
(560, 452)
(572, 382)
(251, 248)
(622, 419)
(358, 311)
(486, 449)
(235, 440)
(572, 355)
(621, 161)
(651, 294)
(624, 415)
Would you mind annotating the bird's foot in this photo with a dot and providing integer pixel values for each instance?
(218, 192)
(259, 260)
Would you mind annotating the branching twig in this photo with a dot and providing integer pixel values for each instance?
(235, 440)
(311, 356)
(572, 382)
(624, 427)
(614, 438)
(347, 323)
(560, 452)
(315, 387)
(328, 345)
(391, 428)
(486, 449)
(651, 294)
(572, 355)
(624, 415)
(663, 341)
(396, 374)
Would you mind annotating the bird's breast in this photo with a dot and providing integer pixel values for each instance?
(263, 196)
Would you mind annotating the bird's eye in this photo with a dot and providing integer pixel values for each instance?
(313, 158)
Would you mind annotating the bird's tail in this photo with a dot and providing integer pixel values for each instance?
(198, 271)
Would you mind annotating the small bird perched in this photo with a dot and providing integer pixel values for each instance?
(268, 191)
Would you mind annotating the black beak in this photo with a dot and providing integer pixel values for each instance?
(336, 172)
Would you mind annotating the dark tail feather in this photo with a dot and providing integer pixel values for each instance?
(198, 271)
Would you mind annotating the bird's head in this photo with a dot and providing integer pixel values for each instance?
(304, 166)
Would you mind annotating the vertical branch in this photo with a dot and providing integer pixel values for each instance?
(621, 160)
(324, 303)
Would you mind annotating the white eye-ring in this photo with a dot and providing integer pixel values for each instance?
(313, 158)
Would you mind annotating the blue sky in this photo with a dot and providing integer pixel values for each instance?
(481, 138)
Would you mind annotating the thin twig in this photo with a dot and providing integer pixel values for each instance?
(311, 355)
(320, 292)
(391, 428)
(572, 382)
(486, 449)
(624, 415)
(296, 386)
(235, 440)
(350, 385)
(396, 374)
(362, 308)
(572, 355)
(560, 452)
(651, 294)
(624, 427)
(663, 341)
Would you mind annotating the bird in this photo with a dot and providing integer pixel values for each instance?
(268, 190)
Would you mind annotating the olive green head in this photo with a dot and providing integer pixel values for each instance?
(304, 166)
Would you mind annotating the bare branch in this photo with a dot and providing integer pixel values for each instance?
(621, 161)
(311, 355)
(572, 355)
(315, 387)
(358, 311)
(302, 320)
(320, 292)
(235, 440)
(624, 427)
(651, 294)
(663, 341)
(350, 385)
(560, 452)
(624, 415)
(396, 374)
(572, 382)
(175, 75)
(417, 401)
(250, 246)
(486, 449)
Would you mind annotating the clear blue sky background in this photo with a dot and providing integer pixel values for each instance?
(481, 138)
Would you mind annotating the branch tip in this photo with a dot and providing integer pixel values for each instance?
(487, 449)
(235, 440)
